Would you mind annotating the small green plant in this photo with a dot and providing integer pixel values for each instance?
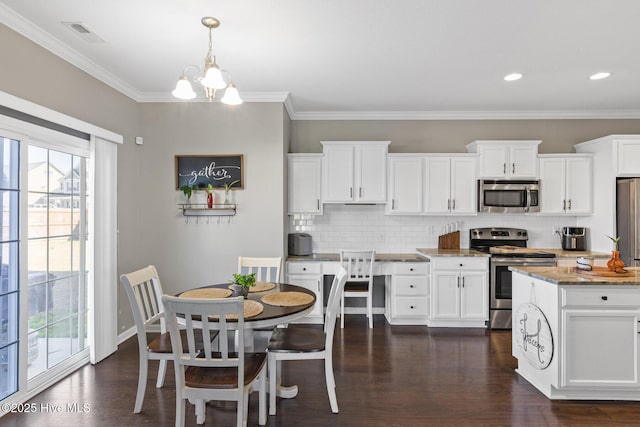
(188, 190)
(245, 280)
(228, 185)
(615, 241)
(209, 188)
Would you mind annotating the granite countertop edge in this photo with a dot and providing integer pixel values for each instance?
(566, 276)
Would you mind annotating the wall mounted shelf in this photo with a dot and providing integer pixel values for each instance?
(201, 209)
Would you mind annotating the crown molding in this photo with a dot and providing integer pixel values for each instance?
(26, 28)
(465, 115)
(246, 97)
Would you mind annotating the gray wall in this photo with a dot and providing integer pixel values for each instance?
(451, 136)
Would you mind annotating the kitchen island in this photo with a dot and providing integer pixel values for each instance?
(575, 335)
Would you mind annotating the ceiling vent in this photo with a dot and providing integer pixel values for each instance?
(85, 33)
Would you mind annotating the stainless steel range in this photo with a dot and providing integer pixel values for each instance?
(507, 246)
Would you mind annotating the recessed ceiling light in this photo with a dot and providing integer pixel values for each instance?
(512, 77)
(598, 76)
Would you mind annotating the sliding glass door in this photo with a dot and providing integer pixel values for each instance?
(9, 265)
(57, 243)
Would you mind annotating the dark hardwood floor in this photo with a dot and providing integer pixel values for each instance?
(388, 376)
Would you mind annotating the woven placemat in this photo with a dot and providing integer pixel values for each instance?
(262, 286)
(251, 309)
(212, 293)
(258, 287)
(287, 299)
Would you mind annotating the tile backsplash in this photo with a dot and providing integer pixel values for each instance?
(366, 226)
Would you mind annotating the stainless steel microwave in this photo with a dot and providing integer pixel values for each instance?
(501, 196)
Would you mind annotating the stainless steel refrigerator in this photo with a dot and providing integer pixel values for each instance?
(628, 220)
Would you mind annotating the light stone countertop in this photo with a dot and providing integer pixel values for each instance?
(434, 252)
(567, 276)
(380, 257)
(561, 253)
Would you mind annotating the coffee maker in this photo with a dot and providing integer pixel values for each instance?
(574, 238)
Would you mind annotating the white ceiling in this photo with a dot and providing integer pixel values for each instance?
(348, 59)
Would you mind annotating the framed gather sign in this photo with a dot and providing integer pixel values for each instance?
(214, 169)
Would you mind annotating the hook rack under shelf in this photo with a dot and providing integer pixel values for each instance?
(201, 209)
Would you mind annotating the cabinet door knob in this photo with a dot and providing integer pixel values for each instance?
(513, 168)
(461, 265)
(604, 297)
(411, 286)
(504, 168)
(412, 307)
(304, 268)
(411, 269)
(569, 204)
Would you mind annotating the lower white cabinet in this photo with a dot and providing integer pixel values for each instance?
(308, 275)
(459, 291)
(407, 294)
(600, 348)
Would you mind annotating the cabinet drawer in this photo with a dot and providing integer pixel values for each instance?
(410, 307)
(304, 267)
(407, 268)
(460, 263)
(601, 297)
(409, 285)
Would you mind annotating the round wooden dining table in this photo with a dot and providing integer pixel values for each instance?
(271, 315)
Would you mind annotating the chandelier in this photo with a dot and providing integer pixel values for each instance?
(210, 76)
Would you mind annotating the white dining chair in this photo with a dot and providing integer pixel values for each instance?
(266, 269)
(295, 343)
(359, 266)
(144, 291)
(208, 374)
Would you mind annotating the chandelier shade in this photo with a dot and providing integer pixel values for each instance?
(183, 89)
(210, 76)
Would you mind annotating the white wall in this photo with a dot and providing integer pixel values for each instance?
(356, 227)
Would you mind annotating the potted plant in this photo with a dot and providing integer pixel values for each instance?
(615, 263)
(227, 187)
(243, 282)
(188, 191)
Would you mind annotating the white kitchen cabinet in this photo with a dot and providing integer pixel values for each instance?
(407, 297)
(355, 172)
(566, 184)
(304, 183)
(459, 291)
(405, 184)
(308, 275)
(628, 157)
(611, 359)
(506, 159)
(450, 185)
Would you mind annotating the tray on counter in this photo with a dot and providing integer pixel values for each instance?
(603, 272)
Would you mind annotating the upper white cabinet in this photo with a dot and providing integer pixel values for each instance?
(450, 185)
(566, 184)
(304, 183)
(355, 172)
(628, 157)
(506, 159)
(405, 184)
